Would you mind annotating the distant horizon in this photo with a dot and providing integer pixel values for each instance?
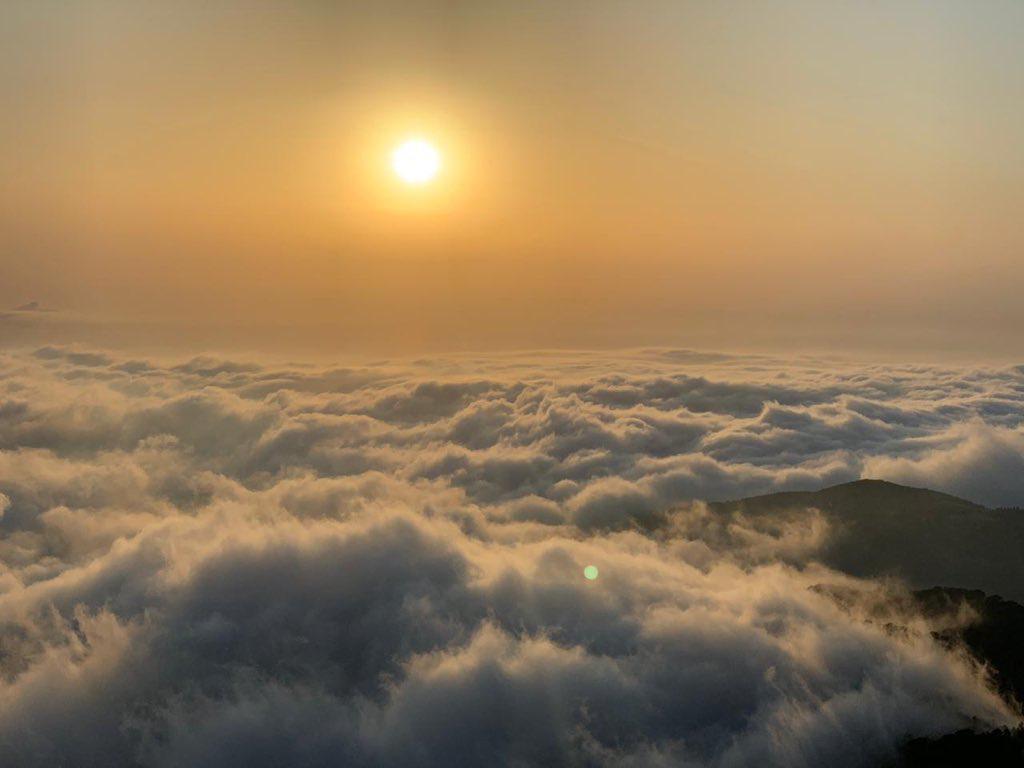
(27, 328)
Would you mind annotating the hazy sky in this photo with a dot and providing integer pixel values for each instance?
(729, 174)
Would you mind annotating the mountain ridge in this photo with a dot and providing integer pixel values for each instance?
(878, 528)
(864, 484)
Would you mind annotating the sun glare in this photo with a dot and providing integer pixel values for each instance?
(416, 161)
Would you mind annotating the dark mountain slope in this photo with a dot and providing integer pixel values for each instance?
(1003, 748)
(996, 636)
(878, 528)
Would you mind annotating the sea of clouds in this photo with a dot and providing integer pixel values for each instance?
(220, 562)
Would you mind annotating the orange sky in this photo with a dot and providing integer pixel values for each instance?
(717, 174)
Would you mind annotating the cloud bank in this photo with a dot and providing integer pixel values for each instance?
(223, 562)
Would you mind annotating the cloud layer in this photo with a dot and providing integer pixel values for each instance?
(223, 562)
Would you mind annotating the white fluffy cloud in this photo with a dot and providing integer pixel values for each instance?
(235, 563)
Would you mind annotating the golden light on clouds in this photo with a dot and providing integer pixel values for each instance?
(416, 161)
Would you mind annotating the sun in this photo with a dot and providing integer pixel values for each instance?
(416, 161)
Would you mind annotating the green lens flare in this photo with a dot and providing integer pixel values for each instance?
(590, 572)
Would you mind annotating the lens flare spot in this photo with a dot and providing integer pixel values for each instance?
(590, 572)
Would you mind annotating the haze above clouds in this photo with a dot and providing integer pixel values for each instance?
(729, 175)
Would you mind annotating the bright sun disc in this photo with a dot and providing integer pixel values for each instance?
(416, 161)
